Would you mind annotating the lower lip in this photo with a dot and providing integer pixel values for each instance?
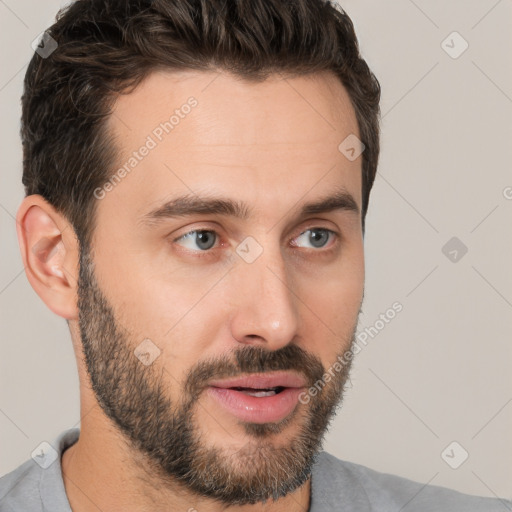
(254, 409)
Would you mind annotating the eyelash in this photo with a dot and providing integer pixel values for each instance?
(201, 254)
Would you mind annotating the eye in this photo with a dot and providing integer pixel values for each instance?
(202, 238)
(316, 236)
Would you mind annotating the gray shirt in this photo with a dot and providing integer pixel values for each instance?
(336, 485)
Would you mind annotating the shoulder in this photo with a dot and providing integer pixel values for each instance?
(15, 488)
(37, 484)
(346, 483)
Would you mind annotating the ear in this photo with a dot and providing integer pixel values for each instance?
(49, 249)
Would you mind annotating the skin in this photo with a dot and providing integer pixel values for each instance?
(273, 145)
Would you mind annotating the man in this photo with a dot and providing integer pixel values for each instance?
(208, 373)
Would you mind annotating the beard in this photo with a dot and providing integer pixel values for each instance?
(165, 435)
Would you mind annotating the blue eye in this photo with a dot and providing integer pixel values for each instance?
(317, 236)
(204, 239)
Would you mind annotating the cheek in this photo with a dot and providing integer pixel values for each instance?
(341, 283)
(333, 304)
(186, 314)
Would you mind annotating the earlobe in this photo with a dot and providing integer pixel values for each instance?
(50, 254)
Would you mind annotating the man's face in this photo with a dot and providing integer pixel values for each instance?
(171, 305)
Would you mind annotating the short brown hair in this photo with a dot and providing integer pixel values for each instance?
(106, 47)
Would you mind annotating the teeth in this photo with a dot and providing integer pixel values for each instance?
(260, 393)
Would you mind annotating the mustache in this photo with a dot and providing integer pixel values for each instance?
(249, 359)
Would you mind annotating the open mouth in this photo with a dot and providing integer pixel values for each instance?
(258, 399)
(260, 392)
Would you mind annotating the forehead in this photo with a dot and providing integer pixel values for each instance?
(211, 131)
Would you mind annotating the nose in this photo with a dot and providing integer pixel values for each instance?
(266, 313)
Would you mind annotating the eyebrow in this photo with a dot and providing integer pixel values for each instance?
(187, 205)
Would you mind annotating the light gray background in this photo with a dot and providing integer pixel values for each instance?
(440, 370)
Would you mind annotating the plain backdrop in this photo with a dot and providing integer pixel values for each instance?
(439, 372)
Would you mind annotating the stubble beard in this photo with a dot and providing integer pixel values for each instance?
(168, 436)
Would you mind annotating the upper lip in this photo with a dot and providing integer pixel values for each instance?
(262, 381)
